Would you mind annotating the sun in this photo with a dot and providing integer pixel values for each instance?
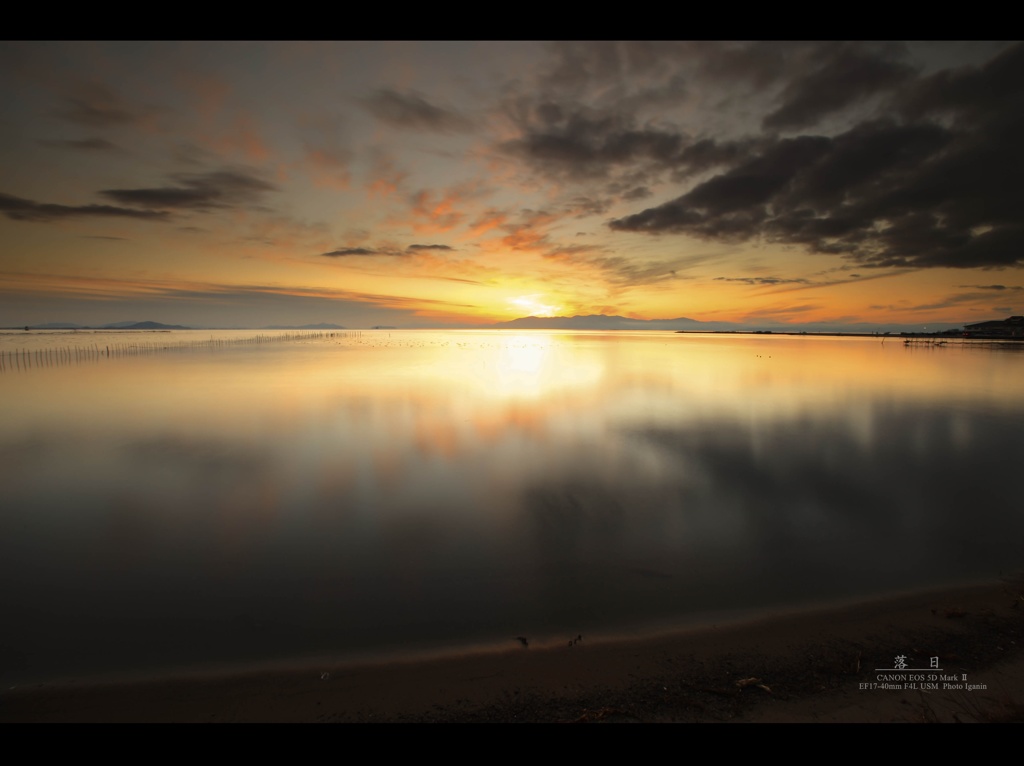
(532, 306)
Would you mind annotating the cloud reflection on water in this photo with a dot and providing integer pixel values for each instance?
(424, 488)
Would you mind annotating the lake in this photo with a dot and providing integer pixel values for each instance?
(200, 502)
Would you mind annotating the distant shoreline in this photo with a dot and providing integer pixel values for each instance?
(946, 335)
(883, 335)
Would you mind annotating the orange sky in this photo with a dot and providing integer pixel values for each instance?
(432, 184)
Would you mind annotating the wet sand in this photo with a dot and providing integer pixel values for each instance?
(822, 665)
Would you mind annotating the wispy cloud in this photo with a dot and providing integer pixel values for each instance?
(420, 248)
(198, 191)
(344, 252)
(762, 280)
(441, 210)
(80, 144)
(19, 209)
(955, 299)
(994, 287)
(412, 111)
(95, 105)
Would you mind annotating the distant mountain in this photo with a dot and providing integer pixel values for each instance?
(142, 326)
(111, 326)
(320, 326)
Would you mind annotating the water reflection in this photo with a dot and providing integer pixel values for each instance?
(392, 490)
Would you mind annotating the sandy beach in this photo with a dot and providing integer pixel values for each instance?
(962, 649)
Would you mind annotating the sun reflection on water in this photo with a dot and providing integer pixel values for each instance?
(474, 484)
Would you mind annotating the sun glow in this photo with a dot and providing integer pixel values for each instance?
(532, 306)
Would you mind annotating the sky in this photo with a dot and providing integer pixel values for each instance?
(434, 184)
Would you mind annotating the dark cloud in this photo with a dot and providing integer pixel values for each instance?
(418, 248)
(198, 191)
(20, 209)
(762, 280)
(758, 64)
(602, 109)
(867, 160)
(994, 287)
(733, 204)
(345, 251)
(892, 155)
(709, 153)
(886, 193)
(843, 74)
(755, 182)
(411, 110)
(969, 94)
(84, 144)
(587, 145)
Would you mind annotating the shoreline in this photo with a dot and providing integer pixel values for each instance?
(812, 665)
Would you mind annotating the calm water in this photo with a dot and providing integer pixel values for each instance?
(394, 491)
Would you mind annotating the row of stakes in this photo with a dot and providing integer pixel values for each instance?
(24, 359)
